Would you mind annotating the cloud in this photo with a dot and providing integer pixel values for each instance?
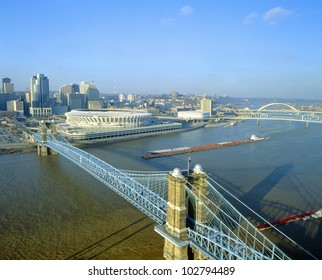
(274, 15)
(186, 10)
(250, 18)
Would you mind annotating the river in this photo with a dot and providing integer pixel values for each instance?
(51, 209)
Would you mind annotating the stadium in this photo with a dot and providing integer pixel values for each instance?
(90, 126)
(108, 118)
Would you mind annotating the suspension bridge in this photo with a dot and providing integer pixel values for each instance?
(190, 212)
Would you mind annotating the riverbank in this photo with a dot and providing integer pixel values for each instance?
(24, 148)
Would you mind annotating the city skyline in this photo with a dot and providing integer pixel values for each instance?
(253, 49)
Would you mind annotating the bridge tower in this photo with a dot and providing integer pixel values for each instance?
(175, 231)
(43, 150)
(176, 241)
(198, 180)
(52, 127)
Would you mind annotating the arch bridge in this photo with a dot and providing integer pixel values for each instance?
(287, 107)
(190, 212)
(275, 111)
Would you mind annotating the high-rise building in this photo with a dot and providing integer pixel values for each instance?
(39, 95)
(6, 97)
(206, 105)
(5, 81)
(90, 91)
(16, 106)
(66, 89)
(7, 88)
(75, 101)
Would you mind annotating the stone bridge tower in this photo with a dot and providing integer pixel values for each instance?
(43, 150)
(176, 241)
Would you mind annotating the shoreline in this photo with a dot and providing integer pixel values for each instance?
(17, 150)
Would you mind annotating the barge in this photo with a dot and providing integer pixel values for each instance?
(185, 150)
(304, 216)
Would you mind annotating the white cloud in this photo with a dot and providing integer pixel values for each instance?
(186, 10)
(250, 18)
(274, 15)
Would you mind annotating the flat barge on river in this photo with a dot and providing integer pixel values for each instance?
(185, 150)
(304, 216)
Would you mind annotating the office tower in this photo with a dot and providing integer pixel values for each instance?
(90, 91)
(39, 95)
(206, 105)
(4, 81)
(7, 88)
(4, 98)
(66, 89)
(16, 106)
(75, 101)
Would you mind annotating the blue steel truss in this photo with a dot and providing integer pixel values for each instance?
(140, 196)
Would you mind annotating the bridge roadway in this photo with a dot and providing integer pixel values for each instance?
(224, 232)
(275, 111)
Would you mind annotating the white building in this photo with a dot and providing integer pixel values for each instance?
(193, 115)
(40, 112)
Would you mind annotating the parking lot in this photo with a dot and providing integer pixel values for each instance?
(11, 138)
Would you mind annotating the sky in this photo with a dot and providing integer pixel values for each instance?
(245, 48)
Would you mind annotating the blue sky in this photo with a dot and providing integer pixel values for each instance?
(245, 48)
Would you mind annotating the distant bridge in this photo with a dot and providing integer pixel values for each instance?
(274, 111)
(213, 229)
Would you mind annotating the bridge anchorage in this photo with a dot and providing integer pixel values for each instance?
(192, 216)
